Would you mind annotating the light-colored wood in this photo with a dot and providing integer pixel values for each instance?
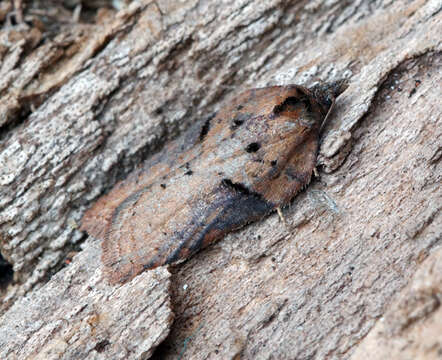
(81, 109)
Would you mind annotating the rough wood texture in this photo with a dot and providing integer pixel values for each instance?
(353, 240)
(77, 315)
(81, 109)
(411, 328)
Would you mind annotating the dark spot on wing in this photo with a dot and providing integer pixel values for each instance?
(253, 147)
(239, 120)
(236, 123)
(100, 346)
(287, 105)
(206, 127)
(291, 103)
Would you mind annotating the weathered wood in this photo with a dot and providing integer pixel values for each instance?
(77, 315)
(411, 328)
(354, 239)
(83, 108)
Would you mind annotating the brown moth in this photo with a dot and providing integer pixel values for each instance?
(253, 157)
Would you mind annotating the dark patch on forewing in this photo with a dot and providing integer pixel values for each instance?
(239, 205)
(291, 103)
(238, 187)
(287, 105)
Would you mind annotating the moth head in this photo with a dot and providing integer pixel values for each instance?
(326, 93)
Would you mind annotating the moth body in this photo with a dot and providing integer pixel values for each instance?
(253, 157)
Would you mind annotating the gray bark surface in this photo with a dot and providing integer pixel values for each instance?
(411, 327)
(84, 107)
(76, 315)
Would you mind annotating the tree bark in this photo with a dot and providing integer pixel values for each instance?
(83, 104)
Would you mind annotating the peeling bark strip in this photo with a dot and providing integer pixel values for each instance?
(229, 179)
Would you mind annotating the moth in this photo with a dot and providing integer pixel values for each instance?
(253, 157)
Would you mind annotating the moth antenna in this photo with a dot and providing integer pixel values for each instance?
(331, 92)
(327, 115)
